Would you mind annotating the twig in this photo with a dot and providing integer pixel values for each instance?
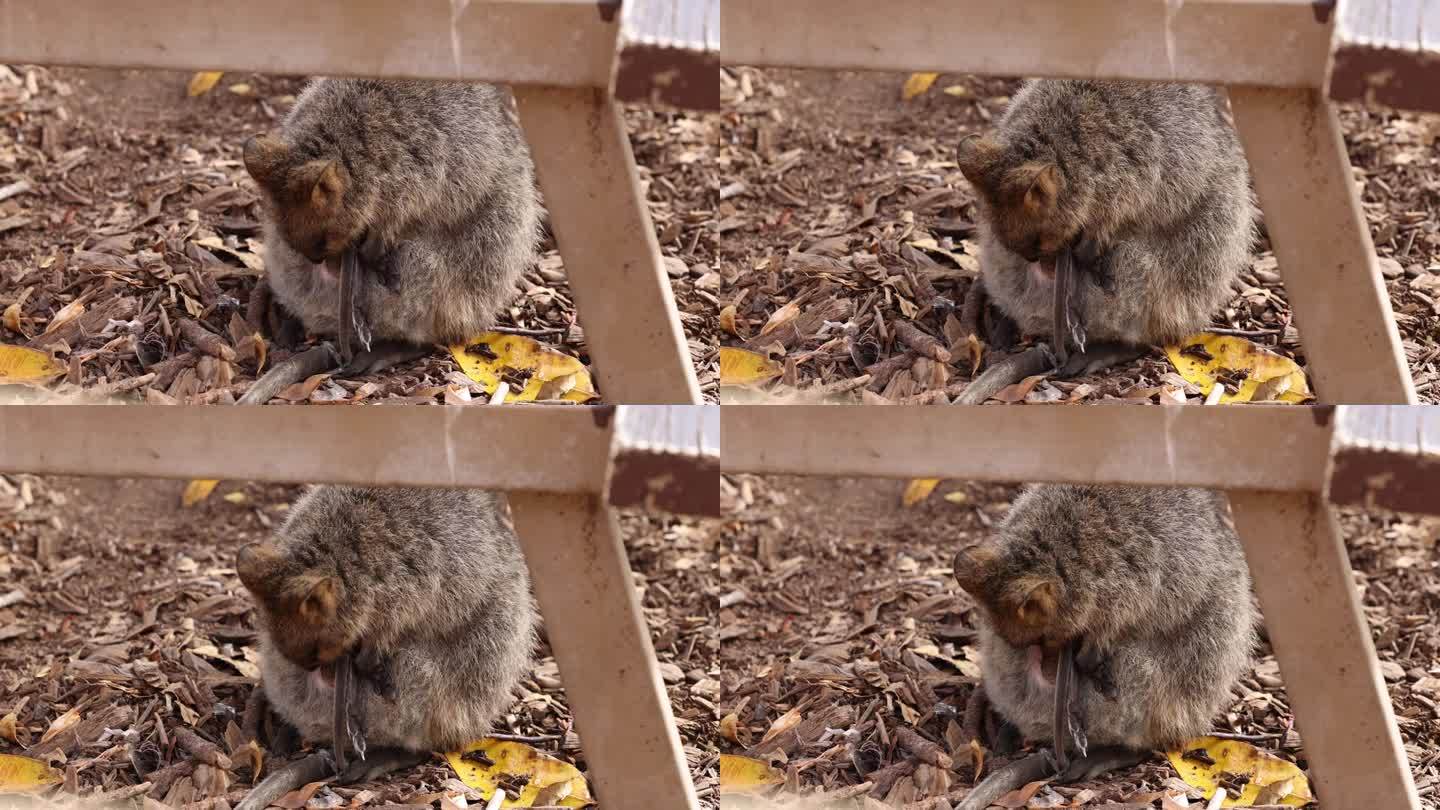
(101, 798)
(294, 776)
(522, 738)
(281, 376)
(161, 779)
(1014, 776)
(202, 749)
(911, 336)
(1228, 735)
(881, 372)
(12, 598)
(1035, 360)
(18, 187)
(925, 750)
(1221, 330)
(515, 330)
(206, 341)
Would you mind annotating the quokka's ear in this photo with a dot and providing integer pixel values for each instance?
(256, 564)
(972, 566)
(265, 157)
(976, 154)
(1043, 183)
(328, 187)
(1041, 602)
(321, 600)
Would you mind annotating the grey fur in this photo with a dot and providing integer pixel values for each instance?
(441, 177)
(435, 585)
(1155, 582)
(1156, 176)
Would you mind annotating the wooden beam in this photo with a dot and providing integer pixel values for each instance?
(598, 214)
(1281, 43)
(515, 447)
(1332, 676)
(596, 628)
(1281, 447)
(1302, 175)
(1386, 456)
(1387, 53)
(551, 42)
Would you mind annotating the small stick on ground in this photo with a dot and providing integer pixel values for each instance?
(294, 776)
(206, 341)
(886, 777)
(161, 780)
(522, 738)
(281, 376)
(202, 749)
(881, 372)
(911, 336)
(1034, 360)
(1014, 776)
(924, 750)
(515, 330)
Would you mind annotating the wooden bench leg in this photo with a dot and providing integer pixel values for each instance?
(1302, 176)
(622, 293)
(1332, 677)
(592, 617)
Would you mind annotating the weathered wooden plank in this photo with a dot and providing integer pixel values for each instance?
(1387, 53)
(1302, 175)
(595, 625)
(670, 53)
(515, 447)
(1261, 447)
(1276, 43)
(549, 42)
(622, 293)
(1387, 457)
(1302, 576)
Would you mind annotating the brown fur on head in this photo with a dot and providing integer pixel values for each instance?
(1023, 607)
(308, 197)
(301, 607)
(1022, 198)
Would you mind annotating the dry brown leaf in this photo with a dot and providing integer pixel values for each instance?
(780, 317)
(782, 724)
(61, 724)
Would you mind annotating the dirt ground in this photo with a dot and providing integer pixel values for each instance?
(842, 213)
(122, 607)
(124, 204)
(839, 608)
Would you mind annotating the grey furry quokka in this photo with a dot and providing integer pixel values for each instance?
(428, 591)
(1145, 181)
(1150, 582)
(431, 183)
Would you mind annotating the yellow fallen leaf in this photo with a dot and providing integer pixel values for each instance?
(1239, 757)
(512, 759)
(1228, 353)
(20, 774)
(486, 359)
(201, 82)
(19, 364)
(917, 84)
(743, 775)
(744, 367)
(197, 491)
(918, 490)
